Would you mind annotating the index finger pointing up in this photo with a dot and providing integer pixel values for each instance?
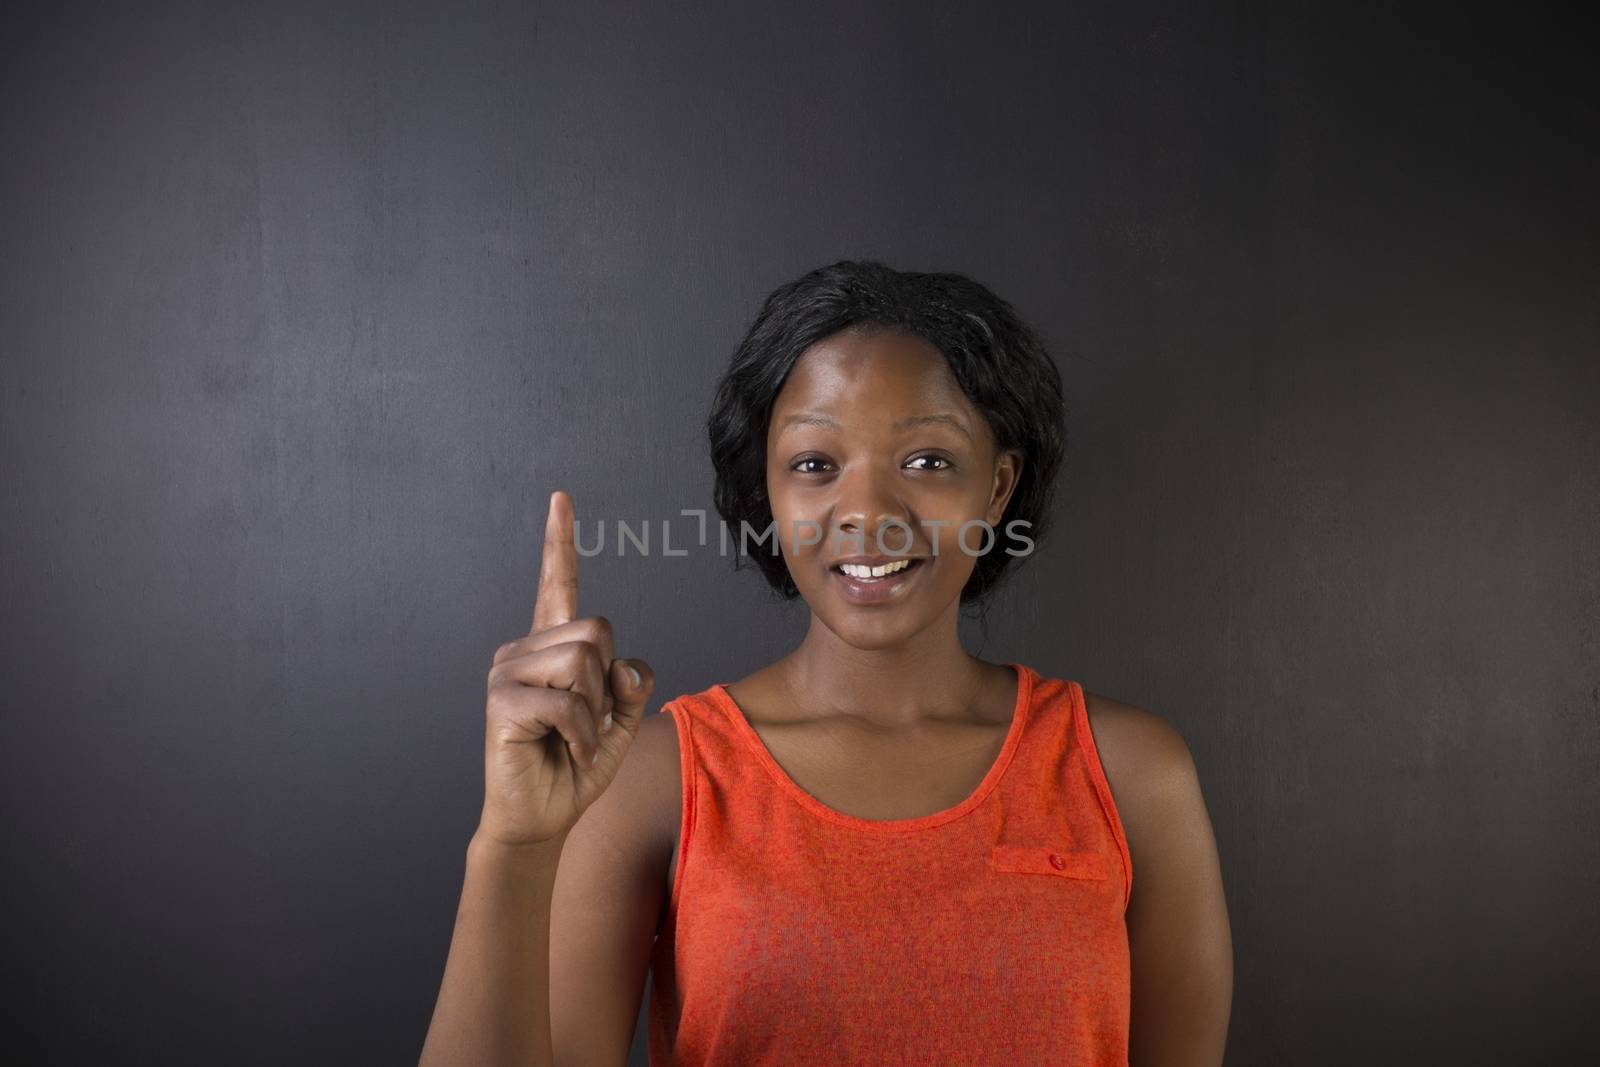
(557, 600)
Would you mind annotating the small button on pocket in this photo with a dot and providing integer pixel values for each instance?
(1043, 859)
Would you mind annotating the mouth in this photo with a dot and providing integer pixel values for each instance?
(863, 587)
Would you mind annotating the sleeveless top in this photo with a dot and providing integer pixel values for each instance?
(990, 932)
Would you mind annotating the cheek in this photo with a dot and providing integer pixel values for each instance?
(799, 518)
(960, 552)
(797, 533)
(955, 567)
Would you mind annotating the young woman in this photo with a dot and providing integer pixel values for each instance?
(878, 849)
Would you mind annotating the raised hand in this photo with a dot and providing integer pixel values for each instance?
(562, 711)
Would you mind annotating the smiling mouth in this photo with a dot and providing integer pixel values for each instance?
(871, 575)
(866, 589)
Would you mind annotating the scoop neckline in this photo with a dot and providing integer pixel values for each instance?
(1019, 717)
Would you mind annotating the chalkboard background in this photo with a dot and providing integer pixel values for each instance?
(305, 310)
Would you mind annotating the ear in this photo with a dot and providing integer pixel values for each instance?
(1007, 472)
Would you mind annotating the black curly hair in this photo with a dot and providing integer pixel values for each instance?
(998, 360)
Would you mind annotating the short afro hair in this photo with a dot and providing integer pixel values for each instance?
(997, 359)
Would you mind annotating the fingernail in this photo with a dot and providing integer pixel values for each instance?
(637, 682)
(605, 723)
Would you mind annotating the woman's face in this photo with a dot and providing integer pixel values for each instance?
(871, 437)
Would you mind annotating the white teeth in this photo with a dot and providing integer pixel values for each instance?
(855, 570)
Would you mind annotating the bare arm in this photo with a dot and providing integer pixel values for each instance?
(548, 961)
(494, 1003)
(608, 901)
(563, 836)
(1178, 931)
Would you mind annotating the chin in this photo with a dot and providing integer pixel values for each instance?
(870, 631)
(863, 637)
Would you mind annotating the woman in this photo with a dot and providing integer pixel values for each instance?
(878, 849)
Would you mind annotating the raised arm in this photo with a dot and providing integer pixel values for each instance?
(561, 713)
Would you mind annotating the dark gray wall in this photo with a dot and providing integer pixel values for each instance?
(304, 312)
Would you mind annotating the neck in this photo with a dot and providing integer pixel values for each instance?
(928, 676)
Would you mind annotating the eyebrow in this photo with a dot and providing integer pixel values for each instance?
(807, 418)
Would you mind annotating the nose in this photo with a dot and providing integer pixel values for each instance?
(869, 515)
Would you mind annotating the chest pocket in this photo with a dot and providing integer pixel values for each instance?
(1047, 861)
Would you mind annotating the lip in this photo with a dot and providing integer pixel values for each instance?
(885, 590)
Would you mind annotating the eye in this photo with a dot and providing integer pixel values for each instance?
(799, 463)
(937, 459)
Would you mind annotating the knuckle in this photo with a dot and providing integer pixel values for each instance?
(578, 655)
(503, 673)
(568, 707)
(583, 710)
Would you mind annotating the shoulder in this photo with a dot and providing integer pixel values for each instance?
(637, 815)
(1135, 741)
(1146, 760)
(657, 758)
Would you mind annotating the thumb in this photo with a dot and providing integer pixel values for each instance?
(631, 683)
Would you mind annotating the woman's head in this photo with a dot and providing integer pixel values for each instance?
(865, 399)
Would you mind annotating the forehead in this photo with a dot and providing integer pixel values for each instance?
(881, 370)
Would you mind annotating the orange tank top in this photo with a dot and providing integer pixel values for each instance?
(990, 932)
